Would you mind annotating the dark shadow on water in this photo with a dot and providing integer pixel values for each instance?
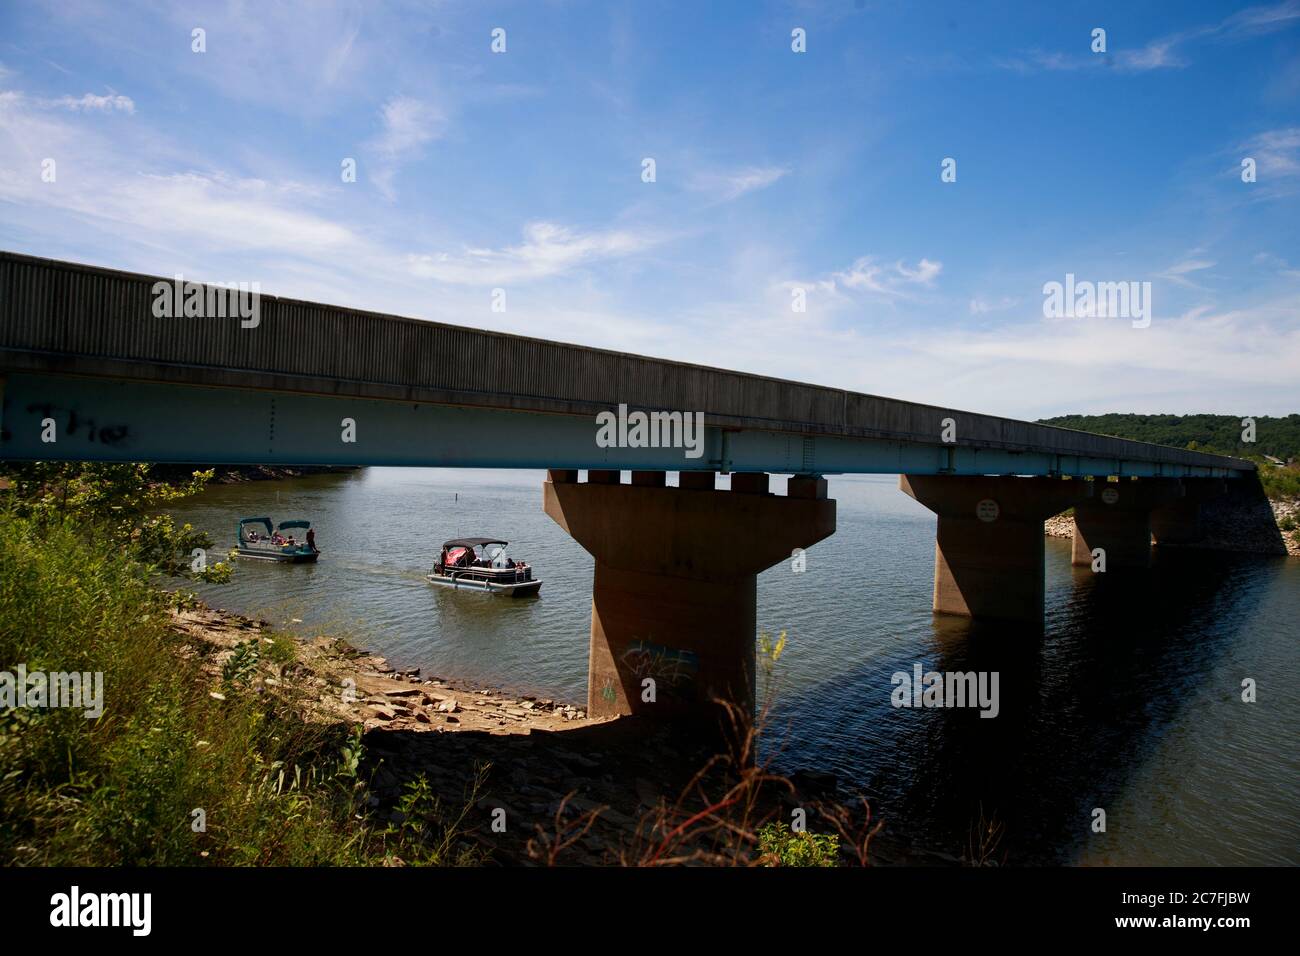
(1081, 705)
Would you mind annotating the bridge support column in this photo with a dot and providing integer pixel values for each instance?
(1179, 522)
(1117, 519)
(988, 552)
(673, 598)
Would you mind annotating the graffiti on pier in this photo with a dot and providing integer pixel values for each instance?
(608, 693)
(672, 669)
(71, 424)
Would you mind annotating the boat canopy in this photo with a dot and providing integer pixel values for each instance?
(264, 522)
(294, 524)
(471, 542)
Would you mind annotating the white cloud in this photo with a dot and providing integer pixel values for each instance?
(981, 306)
(1026, 367)
(866, 275)
(100, 182)
(547, 250)
(303, 59)
(1178, 272)
(407, 125)
(1162, 53)
(1278, 264)
(1250, 348)
(1156, 55)
(1034, 60)
(732, 184)
(1276, 152)
(100, 104)
(1262, 19)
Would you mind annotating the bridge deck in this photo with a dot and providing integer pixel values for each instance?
(74, 337)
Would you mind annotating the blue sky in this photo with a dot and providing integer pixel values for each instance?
(775, 171)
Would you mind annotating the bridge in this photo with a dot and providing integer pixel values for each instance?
(102, 365)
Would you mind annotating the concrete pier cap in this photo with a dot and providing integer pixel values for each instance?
(1115, 522)
(989, 559)
(674, 593)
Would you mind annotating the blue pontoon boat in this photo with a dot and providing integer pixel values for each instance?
(289, 543)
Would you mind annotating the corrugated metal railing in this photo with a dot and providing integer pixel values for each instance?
(68, 311)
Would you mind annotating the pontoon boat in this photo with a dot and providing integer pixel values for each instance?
(481, 564)
(276, 544)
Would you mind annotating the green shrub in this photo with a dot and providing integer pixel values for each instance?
(123, 788)
(781, 846)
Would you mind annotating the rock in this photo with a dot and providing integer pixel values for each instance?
(452, 720)
(382, 712)
(611, 815)
(449, 706)
(422, 717)
(578, 762)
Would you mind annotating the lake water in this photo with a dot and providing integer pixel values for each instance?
(1129, 701)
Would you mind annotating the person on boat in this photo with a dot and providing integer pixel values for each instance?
(277, 538)
(311, 538)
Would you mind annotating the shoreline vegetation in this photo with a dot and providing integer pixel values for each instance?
(224, 742)
(1272, 443)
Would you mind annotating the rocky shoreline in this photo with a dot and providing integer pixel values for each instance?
(544, 763)
(1223, 531)
(237, 474)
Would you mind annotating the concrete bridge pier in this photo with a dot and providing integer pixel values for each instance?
(1117, 519)
(988, 552)
(673, 600)
(1180, 521)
